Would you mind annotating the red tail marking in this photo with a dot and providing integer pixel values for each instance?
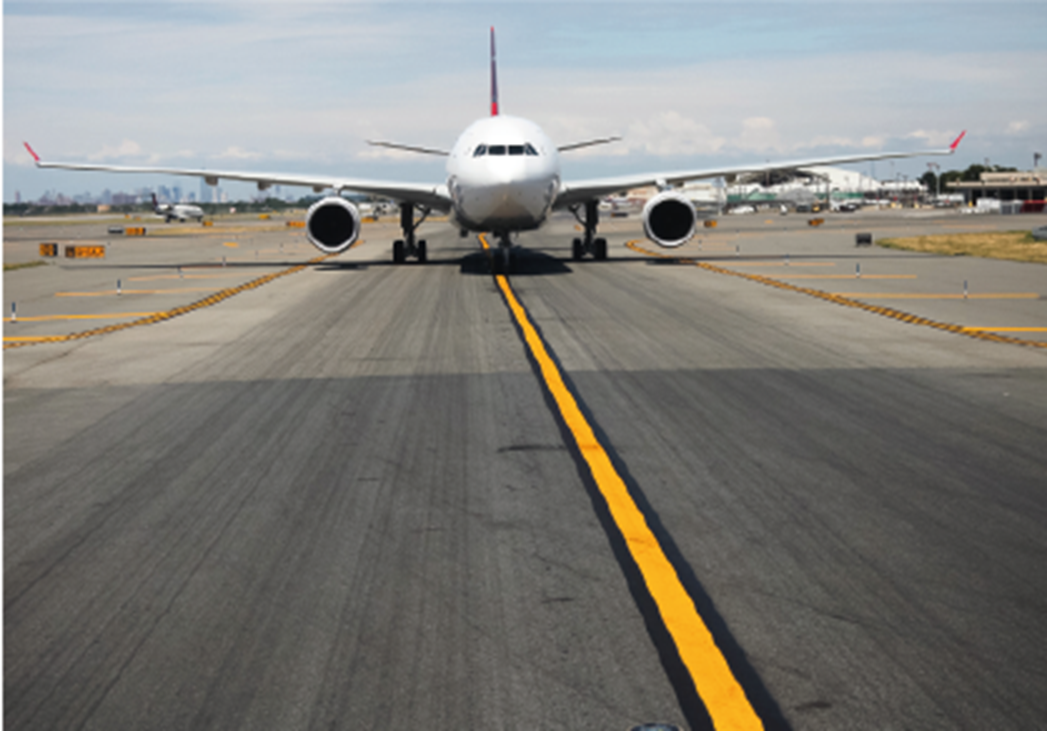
(35, 156)
(956, 142)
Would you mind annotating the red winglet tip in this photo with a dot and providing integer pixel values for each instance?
(956, 142)
(31, 152)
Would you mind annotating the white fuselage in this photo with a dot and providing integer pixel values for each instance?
(181, 211)
(503, 174)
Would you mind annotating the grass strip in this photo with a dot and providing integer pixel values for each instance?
(24, 265)
(1009, 245)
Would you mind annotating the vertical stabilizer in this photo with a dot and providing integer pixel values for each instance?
(494, 79)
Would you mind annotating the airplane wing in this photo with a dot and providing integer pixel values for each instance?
(574, 193)
(435, 197)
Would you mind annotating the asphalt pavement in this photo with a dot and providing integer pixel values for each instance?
(345, 498)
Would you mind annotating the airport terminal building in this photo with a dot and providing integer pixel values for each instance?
(1027, 188)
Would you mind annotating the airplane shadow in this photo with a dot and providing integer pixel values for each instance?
(525, 263)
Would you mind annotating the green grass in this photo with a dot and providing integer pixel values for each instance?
(24, 265)
(1010, 245)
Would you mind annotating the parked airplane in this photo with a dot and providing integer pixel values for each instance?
(181, 211)
(503, 176)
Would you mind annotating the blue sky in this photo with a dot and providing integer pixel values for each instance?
(298, 87)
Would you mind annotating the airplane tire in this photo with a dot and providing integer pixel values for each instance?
(423, 254)
(600, 249)
(399, 253)
(577, 252)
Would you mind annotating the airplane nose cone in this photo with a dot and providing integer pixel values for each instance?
(508, 202)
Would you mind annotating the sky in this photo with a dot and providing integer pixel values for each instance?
(298, 87)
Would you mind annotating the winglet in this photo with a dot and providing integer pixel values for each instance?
(494, 79)
(36, 158)
(956, 142)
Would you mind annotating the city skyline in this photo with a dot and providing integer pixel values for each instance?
(143, 194)
(270, 87)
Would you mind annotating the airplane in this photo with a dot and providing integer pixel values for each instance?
(181, 211)
(503, 177)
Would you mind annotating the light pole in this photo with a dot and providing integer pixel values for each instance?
(937, 180)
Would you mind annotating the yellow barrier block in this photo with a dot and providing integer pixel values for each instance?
(85, 252)
(815, 221)
(134, 231)
(263, 216)
(368, 219)
(710, 223)
(48, 249)
(296, 224)
(207, 223)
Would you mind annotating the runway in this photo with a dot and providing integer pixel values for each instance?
(346, 498)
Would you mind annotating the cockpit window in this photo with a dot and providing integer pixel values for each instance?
(525, 149)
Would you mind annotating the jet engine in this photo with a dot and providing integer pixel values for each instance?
(332, 224)
(669, 219)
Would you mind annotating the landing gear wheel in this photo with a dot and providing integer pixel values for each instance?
(422, 252)
(599, 249)
(577, 250)
(501, 260)
(399, 253)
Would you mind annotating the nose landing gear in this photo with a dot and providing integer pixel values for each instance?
(502, 257)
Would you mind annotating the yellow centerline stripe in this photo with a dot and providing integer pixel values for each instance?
(184, 276)
(783, 264)
(943, 295)
(850, 276)
(723, 696)
(156, 317)
(114, 293)
(846, 301)
(104, 316)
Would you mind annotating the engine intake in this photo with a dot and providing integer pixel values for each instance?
(669, 219)
(332, 224)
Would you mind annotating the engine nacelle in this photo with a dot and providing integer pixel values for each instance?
(669, 219)
(332, 224)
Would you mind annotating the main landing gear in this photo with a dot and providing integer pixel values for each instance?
(595, 246)
(408, 246)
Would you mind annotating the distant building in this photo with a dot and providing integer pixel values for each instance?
(1012, 186)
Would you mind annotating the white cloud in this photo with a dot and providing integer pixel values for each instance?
(758, 135)
(127, 148)
(238, 153)
(671, 133)
(933, 138)
(1018, 127)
